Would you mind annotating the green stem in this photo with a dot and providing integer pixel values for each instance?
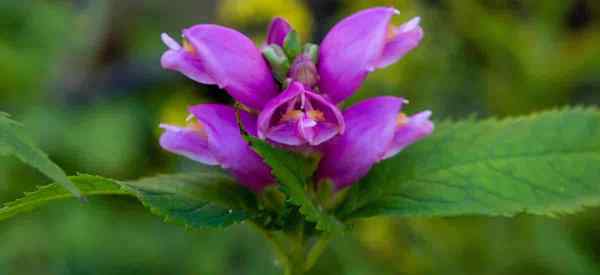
(290, 248)
(316, 251)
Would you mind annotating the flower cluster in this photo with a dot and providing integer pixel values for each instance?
(290, 95)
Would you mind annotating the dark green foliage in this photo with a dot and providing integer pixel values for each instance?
(206, 199)
(294, 174)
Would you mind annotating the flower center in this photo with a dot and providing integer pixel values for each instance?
(187, 46)
(401, 119)
(196, 126)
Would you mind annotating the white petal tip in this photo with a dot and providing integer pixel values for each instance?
(170, 42)
(411, 24)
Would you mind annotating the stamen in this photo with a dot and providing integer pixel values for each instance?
(316, 115)
(401, 119)
(390, 34)
(291, 115)
(187, 46)
(196, 126)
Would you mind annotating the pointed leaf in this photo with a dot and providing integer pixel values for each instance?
(294, 174)
(543, 164)
(13, 141)
(89, 186)
(207, 199)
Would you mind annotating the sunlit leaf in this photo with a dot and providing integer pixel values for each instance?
(544, 164)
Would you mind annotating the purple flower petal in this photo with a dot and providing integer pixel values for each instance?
(278, 30)
(178, 59)
(298, 117)
(218, 55)
(370, 127)
(231, 150)
(408, 131)
(358, 45)
(215, 139)
(400, 41)
(190, 142)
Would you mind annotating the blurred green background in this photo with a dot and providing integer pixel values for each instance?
(84, 76)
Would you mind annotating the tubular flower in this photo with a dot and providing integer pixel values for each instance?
(213, 137)
(298, 116)
(360, 44)
(290, 93)
(213, 54)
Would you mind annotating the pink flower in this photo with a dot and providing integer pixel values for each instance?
(295, 90)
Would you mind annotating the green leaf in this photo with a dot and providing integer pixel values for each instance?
(543, 164)
(89, 186)
(206, 199)
(13, 141)
(294, 174)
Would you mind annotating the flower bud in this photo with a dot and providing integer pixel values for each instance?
(311, 50)
(278, 60)
(304, 71)
(291, 44)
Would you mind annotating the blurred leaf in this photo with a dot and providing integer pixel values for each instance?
(14, 141)
(88, 185)
(542, 164)
(206, 199)
(198, 200)
(293, 172)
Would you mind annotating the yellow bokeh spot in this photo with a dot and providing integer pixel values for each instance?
(260, 12)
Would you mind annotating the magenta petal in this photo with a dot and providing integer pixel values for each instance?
(230, 149)
(297, 117)
(248, 122)
(417, 127)
(177, 59)
(187, 142)
(278, 30)
(349, 50)
(286, 133)
(233, 62)
(323, 132)
(266, 115)
(370, 127)
(404, 39)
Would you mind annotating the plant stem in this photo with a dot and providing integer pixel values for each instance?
(290, 248)
(315, 252)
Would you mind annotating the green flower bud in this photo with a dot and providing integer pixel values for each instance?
(291, 44)
(280, 64)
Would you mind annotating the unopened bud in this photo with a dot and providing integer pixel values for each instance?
(311, 50)
(280, 65)
(304, 71)
(291, 44)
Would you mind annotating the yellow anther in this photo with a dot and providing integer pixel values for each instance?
(316, 115)
(401, 119)
(187, 46)
(292, 115)
(197, 127)
(390, 34)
